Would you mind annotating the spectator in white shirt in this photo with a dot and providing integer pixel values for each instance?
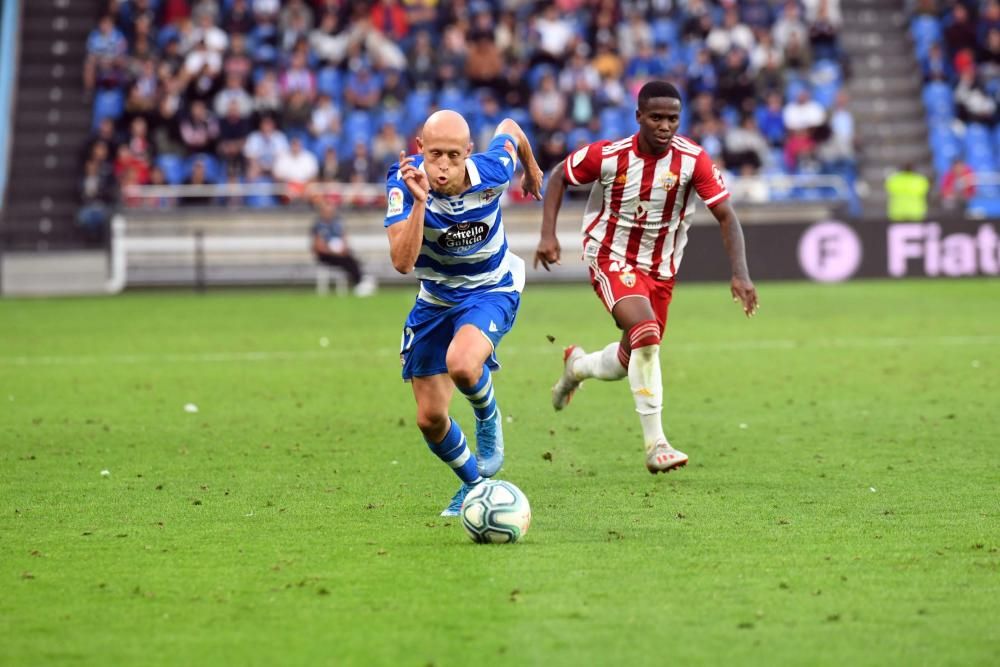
(296, 167)
(804, 113)
(265, 145)
(233, 92)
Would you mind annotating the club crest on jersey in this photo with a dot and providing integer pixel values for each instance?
(669, 181)
(488, 195)
(464, 238)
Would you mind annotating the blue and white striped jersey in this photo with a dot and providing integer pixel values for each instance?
(464, 252)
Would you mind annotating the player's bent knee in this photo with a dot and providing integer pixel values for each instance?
(644, 334)
(464, 369)
(433, 421)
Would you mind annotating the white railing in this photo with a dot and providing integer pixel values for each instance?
(748, 190)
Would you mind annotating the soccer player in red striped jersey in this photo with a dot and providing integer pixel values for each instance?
(634, 233)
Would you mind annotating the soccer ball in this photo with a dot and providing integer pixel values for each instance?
(496, 512)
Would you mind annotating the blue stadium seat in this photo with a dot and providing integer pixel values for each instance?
(329, 82)
(925, 30)
(418, 105)
(358, 126)
(453, 98)
(320, 144)
(213, 170)
(611, 124)
(108, 104)
(664, 32)
(172, 167)
(939, 101)
(577, 137)
(984, 207)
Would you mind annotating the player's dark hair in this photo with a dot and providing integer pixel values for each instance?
(657, 89)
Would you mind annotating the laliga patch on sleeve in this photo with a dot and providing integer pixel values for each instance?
(395, 202)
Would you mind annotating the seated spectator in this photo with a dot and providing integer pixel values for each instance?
(298, 78)
(266, 95)
(200, 129)
(329, 245)
(234, 93)
(237, 61)
(107, 135)
(937, 66)
(972, 103)
(958, 185)
(394, 89)
(730, 35)
(325, 117)
(297, 113)
(800, 149)
(386, 146)
(159, 203)
(701, 74)
(390, 18)
(138, 140)
(363, 90)
(804, 113)
(329, 168)
(202, 61)
(143, 91)
(838, 152)
(988, 56)
(126, 162)
(199, 177)
(824, 27)
(213, 37)
(105, 43)
(736, 86)
(961, 31)
(296, 168)
(789, 26)
(238, 19)
(359, 167)
(234, 129)
(548, 105)
(264, 145)
(744, 146)
(484, 64)
(98, 195)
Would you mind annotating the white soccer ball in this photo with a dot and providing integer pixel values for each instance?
(496, 512)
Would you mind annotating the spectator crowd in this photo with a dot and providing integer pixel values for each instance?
(329, 91)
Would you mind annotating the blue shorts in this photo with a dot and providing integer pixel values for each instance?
(429, 329)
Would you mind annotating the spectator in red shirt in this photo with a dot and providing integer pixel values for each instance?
(958, 185)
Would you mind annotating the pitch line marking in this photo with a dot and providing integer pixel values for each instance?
(331, 354)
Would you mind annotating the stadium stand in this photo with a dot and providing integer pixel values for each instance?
(386, 61)
(958, 48)
(336, 73)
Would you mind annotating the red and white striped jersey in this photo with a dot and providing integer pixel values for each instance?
(638, 204)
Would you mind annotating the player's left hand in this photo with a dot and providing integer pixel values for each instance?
(531, 182)
(744, 291)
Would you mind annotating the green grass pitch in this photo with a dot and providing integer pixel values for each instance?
(841, 507)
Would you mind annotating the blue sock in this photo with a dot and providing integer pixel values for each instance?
(455, 452)
(481, 397)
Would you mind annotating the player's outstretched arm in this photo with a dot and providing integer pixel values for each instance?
(533, 177)
(548, 251)
(742, 287)
(406, 237)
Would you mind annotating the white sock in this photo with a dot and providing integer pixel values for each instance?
(603, 365)
(647, 390)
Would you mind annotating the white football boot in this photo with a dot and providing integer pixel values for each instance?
(664, 458)
(563, 390)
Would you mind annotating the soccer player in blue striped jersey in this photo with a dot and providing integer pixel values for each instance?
(445, 225)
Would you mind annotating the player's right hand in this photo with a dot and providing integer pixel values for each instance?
(548, 252)
(416, 181)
